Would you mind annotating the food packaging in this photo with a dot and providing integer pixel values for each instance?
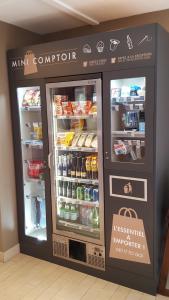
(67, 108)
(57, 101)
(93, 109)
(35, 168)
(77, 124)
(75, 139)
(81, 140)
(31, 98)
(94, 143)
(89, 140)
(68, 138)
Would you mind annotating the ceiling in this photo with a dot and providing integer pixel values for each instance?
(47, 16)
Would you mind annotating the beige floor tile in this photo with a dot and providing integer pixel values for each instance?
(28, 278)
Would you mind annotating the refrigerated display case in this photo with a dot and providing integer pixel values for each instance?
(29, 106)
(75, 159)
(91, 152)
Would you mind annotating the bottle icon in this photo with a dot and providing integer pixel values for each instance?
(83, 168)
(78, 167)
(129, 42)
(60, 166)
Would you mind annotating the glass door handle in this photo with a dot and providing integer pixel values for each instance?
(50, 160)
(106, 155)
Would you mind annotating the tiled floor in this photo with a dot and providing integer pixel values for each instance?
(29, 278)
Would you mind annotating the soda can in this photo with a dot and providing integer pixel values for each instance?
(95, 195)
(88, 194)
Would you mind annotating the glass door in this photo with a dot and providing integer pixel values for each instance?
(127, 100)
(128, 118)
(29, 105)
(76, 158)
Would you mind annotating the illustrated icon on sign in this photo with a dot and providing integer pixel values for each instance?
(100, 46)
(129, 42)
(128, 188)
(113, 60)
(146, 38)
(85, 63)
(87, 48)
(114, 44)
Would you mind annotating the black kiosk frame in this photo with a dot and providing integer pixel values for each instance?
(135, 193)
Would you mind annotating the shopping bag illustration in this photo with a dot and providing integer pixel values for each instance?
(30, 67)
(128, 239)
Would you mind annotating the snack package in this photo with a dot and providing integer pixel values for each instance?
(77, 124)
(86, 106)
(31, 98)
(36, 98)
(93, 110)
(81, 141)
(94, 143)
(57, 101)
(89, 140)
(69, 138)
(60, 139)
(76, 108)
(67, 108)
(120, 148)
(75, 139)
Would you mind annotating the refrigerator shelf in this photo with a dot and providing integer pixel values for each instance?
(31, 108)
(78, 180)
(78, 226)
(77, 117)
(80, 149)
(128, 134)
(33, 143)
(77, 201)
(34, 180)
(130, 99)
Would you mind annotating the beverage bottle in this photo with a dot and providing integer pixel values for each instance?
(88, 167)
(94, 167)
(78, 167)
(60, 188)
(69, 189)
(73, 213)
(73, 167)
(60, 166)
(74, 194)
(84, 215)
(81, 194)
(67, 212)
(64, 165)
(69, 165)
(89, 216)
(65, 189)
(95, 218)
(83, 168)
(62, 210)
